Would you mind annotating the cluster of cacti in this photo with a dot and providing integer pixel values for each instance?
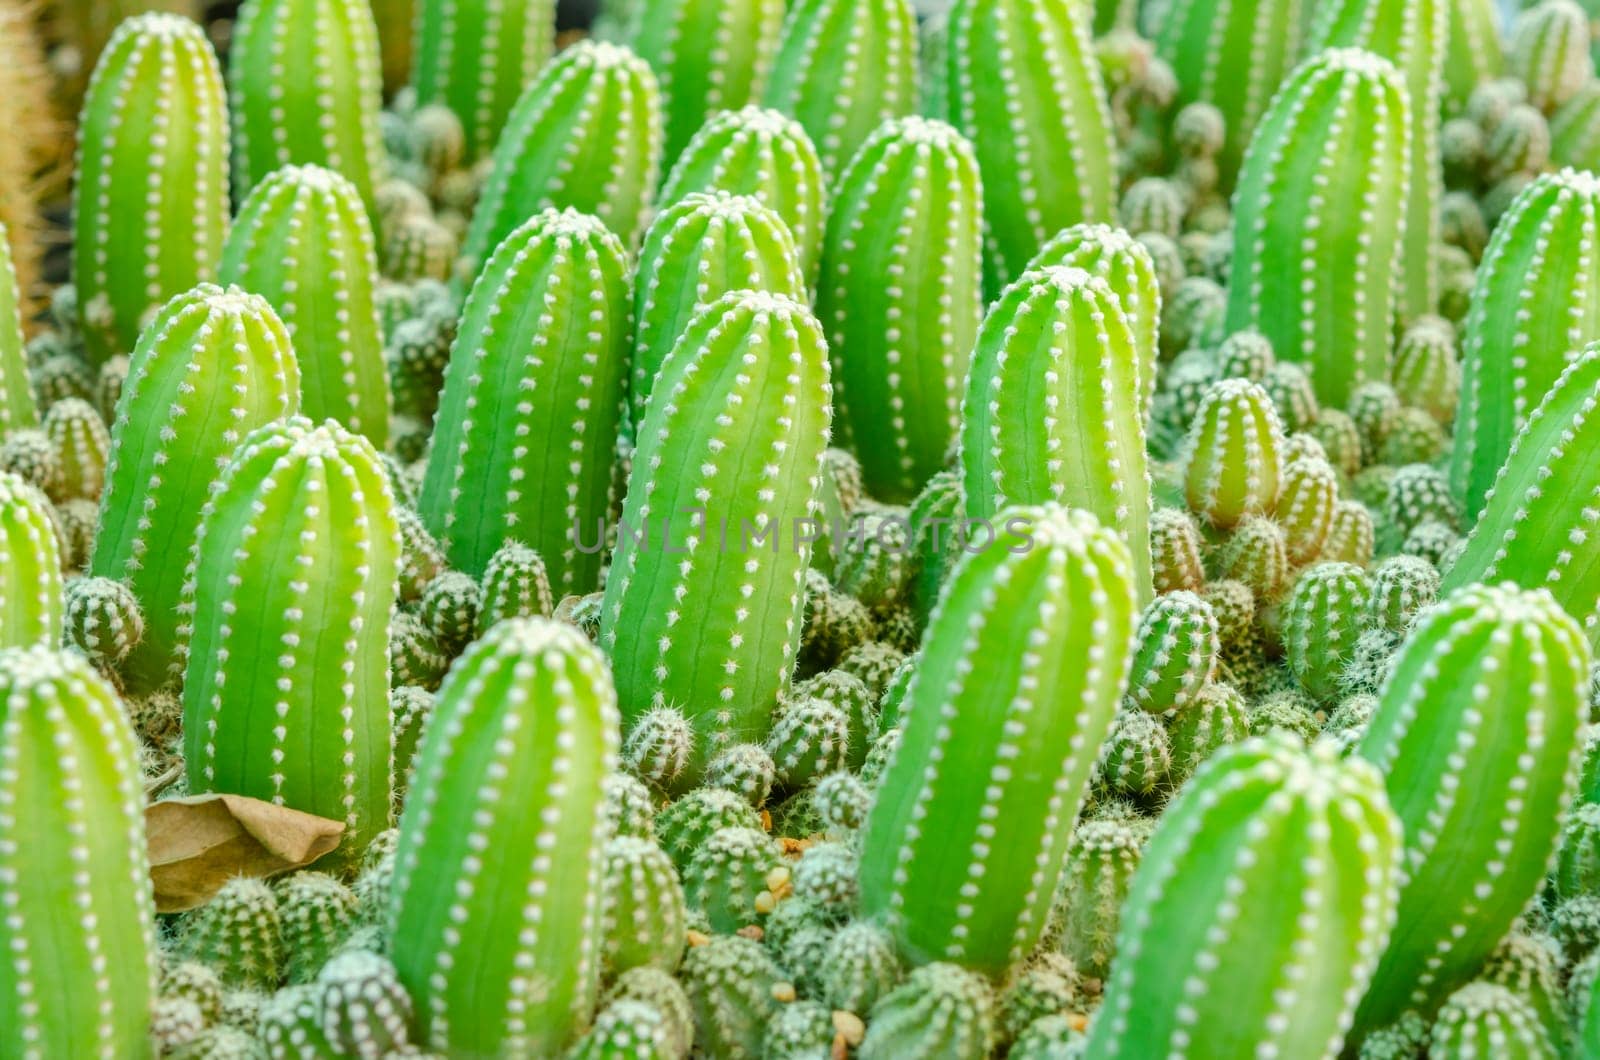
(855, 528)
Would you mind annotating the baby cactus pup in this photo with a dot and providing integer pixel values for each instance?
(477, 58)
(306, 722)
(1052, 411)
(79, 927)
(843, 67)
(304, 87)
(1314, 271)
(974, 757)
(587, 136)
(711, 55)
(762, 154)
(1538, 519)
(700, 248)
(213, 366)
(704, 599)
(1484, 1019)
(30, 567)
(525, 436)
(495, 916)
(17, 408)
(1485, 701)
(643, 915)
(302, 241)
(1412, 35)
(901, 294)
(941, 1010)
(1234, 454)
(1549, 52)
(1232, 54)
(1536, 303)
(1307, 833)
(516, 584)
(103, 620)
(150, 206)
(1325, 614)
(1475, 55)
(1025, 87)
(1176, 653)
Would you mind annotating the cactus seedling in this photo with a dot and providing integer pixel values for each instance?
(495, 913)
(525, 435)
(304, 722)
(154, 124)
(973, 753)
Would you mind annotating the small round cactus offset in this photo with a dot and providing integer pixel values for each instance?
(304, 86)
(1234, 454)
(1314, 272)
(501, 849)
(524, 439)
(79, 927)
(974, 752)
(150, 206)
(900, 327)
(1264, 822)
(306, 723)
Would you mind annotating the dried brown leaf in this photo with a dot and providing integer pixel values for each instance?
(199, 843)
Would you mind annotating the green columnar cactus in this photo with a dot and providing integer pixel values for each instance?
(711, 55)
(1126, 266)
(1232, 54)
(702, 247)
(1023, 84)
(31, 607)
(150, 206)
(586, 136)
(1412, 35)
(762, 154)
(496, 469)
(495, 925)
(908, 210)
(314, 502)
(973, 752)
(79, 927)
(17, 408)
(212, 366)
(842, 68)
(1474, 55)
(477, 59)
(302, 241)
(304, 87)
(1265, 821)
(1235, 448)
(1539, 517)
(1325, 614)
(704, 599)
(1485, 698)
(1535, 304)
(1336, 320)
(1548, 51)
(1100, 866)
(1052, 409)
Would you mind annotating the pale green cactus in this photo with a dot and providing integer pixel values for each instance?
(1234, 454)
(1077, 439)
(478, 58)
(702, 247)
(749, 379)
(762, 154)
(1538, 518)
(312, 501)
(1324, 615)
(1535, 305)
(585, 136)
(901, 294)
(1548, 51)
(79, 928)
(17, 408)
(495, 912)
(1232, 54)
(1025, 87)
(495, 468)
(842, 68)
(1031, 636)
(1474, 55)
(1315, 271)
(150, 205)
(1476, 733)
(302, 241)
(31, 602)
(1258, 912)
(1412, 34)
(304, 86)
(711, 55)
(213, 366)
